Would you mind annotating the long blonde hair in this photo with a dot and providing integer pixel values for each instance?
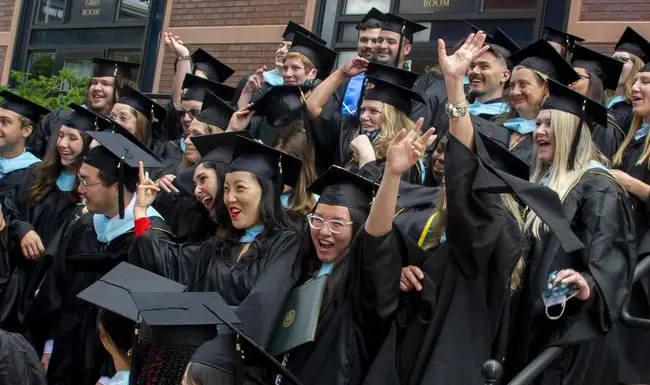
(562, 178)
(634, 127)
(440, 222)
(637, 63)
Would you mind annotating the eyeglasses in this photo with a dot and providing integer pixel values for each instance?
(335, 226)
(193, 113)
(120, 119)
(84, 184)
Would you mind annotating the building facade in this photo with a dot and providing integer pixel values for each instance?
(44, 36)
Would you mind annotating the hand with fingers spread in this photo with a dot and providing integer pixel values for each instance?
(240, 119)
(457, 65)
(405, 150)
(31, 245)
(176, 45)
(355, 66)
(145, 193)
(165, 183)
(570, 276)
(255, 81)
(410, 278)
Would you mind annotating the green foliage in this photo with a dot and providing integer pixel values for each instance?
(48, 91)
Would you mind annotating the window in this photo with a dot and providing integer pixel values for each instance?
(50, 11)
(41, 64)
(437, 6)
(344, 57)
(509, 4)
(361, 7)
(132, 56)
(96, 36)
(133, 10)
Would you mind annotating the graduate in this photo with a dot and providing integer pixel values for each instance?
(359, 295)
(385, 109)
(573, 299)
(597, 74)
(47, 200)
(19, 116)
(144, 118)
(631, 163)
(633, 50)
(90, 247)
(455, 313)
(103, 90)
(563, 42)
(255, 264)
(533, 65)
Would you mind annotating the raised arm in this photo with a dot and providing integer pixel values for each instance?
(453, 68)
(321, 94)
(183, 66)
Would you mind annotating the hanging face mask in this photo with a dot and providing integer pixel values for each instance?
(372, 135)
(557, 295)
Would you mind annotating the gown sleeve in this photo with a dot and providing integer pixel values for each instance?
(261, 309)
(323, 135)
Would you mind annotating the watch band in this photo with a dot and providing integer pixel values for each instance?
(186, 57)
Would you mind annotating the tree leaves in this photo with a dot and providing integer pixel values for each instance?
(52, 92)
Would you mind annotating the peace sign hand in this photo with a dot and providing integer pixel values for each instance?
(146, 191)
(405, 150)
(456, 65)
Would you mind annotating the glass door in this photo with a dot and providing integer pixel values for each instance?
(80, 62)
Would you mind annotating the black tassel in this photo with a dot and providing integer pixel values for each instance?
(279, 180)
(135, 352)
(576, 139)
(239, 365)
(399, 49)
(120, 188)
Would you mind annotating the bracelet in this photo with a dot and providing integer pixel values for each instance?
(186, 57)
(457, 110)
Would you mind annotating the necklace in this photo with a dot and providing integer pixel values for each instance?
(516, 142)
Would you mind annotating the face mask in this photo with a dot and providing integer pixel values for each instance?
(557, 295)
(372, 135)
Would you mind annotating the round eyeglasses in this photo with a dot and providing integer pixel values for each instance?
(334, 225)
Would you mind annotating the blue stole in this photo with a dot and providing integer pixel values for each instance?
(465, 80)
(251, 233)
(65, 181)
(590, 166)
(521, 125)
(273, 78)
(443, 238)
(284, 199)
(120, 378)
(352, 95)
(325, 269)
(20, 162)
(182, 144)
(615, 100)
(108, 229)
(642, 132)
(490, 109)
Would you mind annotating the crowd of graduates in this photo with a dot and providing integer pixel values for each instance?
(321, 226)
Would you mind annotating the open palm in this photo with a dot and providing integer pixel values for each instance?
(457, 64)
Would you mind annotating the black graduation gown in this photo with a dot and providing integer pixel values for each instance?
(11, 183)
(416, 206)
(330, 136)
(42, 131)
(173, 127)
(608, 139)
(623, 115)
(601, 217)
(49, 218)
(186, 217)
(432, 88)
(355, 322)
(444, 333)
(635, 342)
(169, 154)
(256, 285)
(81, 260)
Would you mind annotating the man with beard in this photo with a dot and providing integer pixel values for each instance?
(109, 76)
(395, 40)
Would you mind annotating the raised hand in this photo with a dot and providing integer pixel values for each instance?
(457, 64)
(355, 66)
(405, 150)
(146, 191)
(255, 81)
(240, 119)
(176, 45)
(165, 182)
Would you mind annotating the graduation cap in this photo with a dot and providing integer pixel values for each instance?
(543, 58)
(393, 94)
(340, 187)
(320, 55)
(502, 172)
(113, 291)
(83, 119)
(505, 42)
(141, 103)
(115, 68)
(563, 98)
(19, 363)
(184, 181)
(211, 66)
(606, 68)
(281, 105)
(557, 36)
(174, 325)
(23, 107)
(217, 147)
(374, 13)
(405, 28)
(265, 161)
(392, 74)
(225, 352)
(119, 157)
(632, 42)
(215, 111)
(196, 87)
(293, 27)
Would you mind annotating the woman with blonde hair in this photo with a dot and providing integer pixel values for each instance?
(458, 315)
(573, 299)
(360, 143)
(633, 50)
(534, 65)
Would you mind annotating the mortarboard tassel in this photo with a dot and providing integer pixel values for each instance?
(239, 365)
(120, 188)
(135, 352)
(115, 85)
(399, 49)
(576, 139)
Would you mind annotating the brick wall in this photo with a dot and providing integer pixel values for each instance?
(243, 58)
(605, 49)
(6, 13)
(3, 52)
(615, 10)
(199, 13)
